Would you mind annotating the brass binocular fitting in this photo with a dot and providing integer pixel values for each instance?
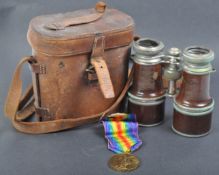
(191, 100)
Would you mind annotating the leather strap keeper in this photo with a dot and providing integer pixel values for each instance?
(101, 67)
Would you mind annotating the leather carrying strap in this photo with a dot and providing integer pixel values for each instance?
(18, 109)
(62, 24)
(100, 66)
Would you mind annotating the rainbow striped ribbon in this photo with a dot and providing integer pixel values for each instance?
(121, 131)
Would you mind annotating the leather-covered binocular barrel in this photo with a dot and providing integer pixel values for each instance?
(193, 105)
(146, 97)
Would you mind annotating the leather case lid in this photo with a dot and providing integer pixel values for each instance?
(116, 26)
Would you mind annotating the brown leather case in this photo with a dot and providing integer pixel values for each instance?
(79, 68)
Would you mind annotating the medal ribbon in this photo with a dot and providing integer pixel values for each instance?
(121, 131)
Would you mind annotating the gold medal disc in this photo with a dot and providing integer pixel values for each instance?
(124, 162)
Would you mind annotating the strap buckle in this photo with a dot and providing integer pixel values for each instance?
(38, 68)
(91, 74)
(43, 113)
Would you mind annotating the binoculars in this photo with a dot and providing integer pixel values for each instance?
(191, 100)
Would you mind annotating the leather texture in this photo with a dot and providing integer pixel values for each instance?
(79, 71)
(18, 108)
(71, 21)
(100, 66)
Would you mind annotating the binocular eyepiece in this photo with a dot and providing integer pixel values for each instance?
(156, 76)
